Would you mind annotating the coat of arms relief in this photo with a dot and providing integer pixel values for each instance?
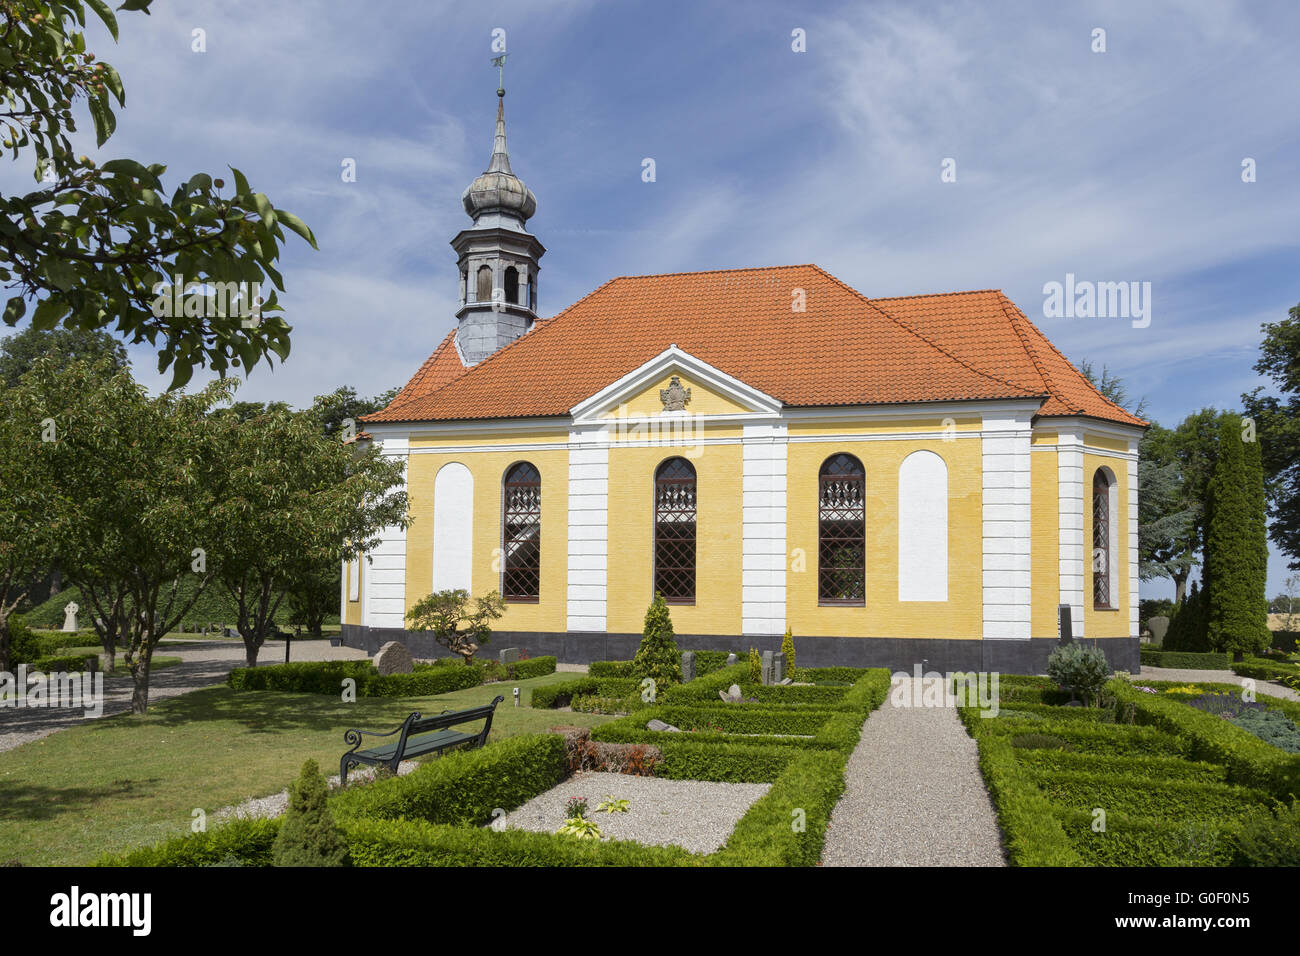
(674, 397)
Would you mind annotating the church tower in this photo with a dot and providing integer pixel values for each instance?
(497, 256)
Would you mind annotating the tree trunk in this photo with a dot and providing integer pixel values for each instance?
(56, 579)
(1180, 587)
(140, 694)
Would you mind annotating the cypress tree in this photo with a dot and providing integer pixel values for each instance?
(1231, 552)
(1263, 637)
(309, 836)
(657, 657)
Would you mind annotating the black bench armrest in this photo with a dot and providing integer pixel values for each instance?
(353, 735)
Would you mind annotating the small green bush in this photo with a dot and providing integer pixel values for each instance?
(24, 646)
(1270, 838)
(308, 835)
(609, 669)
(755, 666)
(1271, 726)
(787, 648)
(1080, 668)
(249, 842)
(658, 658)
(1183, 660)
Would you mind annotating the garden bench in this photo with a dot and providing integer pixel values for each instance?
(418, 735)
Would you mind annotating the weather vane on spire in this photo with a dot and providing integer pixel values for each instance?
(499, 61)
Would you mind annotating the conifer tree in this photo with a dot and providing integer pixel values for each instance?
(787, 648)
(309, 836)
(657, 657)
(1233, 586)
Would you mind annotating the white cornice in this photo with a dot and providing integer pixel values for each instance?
(672, 357)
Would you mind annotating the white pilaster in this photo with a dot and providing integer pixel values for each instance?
(1069, 471)
(384, 574)
(588, 531)
(763, 524)
(1006, 490)
(1133, 539)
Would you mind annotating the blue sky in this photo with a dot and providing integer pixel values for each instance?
(1115, 166)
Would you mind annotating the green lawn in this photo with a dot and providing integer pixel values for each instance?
(121, 782)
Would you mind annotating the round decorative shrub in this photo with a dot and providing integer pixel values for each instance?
(309, 836)
(1079, 668)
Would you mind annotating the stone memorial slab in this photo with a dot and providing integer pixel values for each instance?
(688, 666)
(394, 658)
(767, 669)
(509, 655)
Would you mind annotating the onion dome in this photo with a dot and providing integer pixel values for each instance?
(498, 190)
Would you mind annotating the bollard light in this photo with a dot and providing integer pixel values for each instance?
(516, 696)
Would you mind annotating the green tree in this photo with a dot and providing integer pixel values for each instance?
(454, 622)
(1277, 422)
(20, 351)
(1234, 588)
(93, 245)
(292, 501)
(26, 508)
(342, 409)
(787, 648)
(309, 836)
(313, 594)
(657, 658)
(135, 481)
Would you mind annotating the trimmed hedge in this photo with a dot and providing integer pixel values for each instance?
(1251, 762)
(733, 763)
(1157, 768)
(248, 842)
(1261, 669)
(72, 663)
(1138, 841)
(1184, 660)
(1173, 800)
(462, 787)
(326, 677)
(1031, 833)
(609, 669)
(561, 694)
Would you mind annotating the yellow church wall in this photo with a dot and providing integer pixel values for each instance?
(488, 469)
(1044, 438)
(352, 609)
(460, 439)
(1101, 441)
(1044, 543)
(1106, 623)
(883, 615)
(875, 426)
(630, 579)
(704, 400)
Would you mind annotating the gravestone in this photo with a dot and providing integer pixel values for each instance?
(778, 667)
(1158, 626)
(731, 695)
(509, 655)
(660, 725)
(731, 659)
(394, 658)
(70, 616)
(767, 668)
(688, 666)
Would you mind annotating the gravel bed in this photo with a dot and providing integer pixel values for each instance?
(1182, 675)
(267, 807)
(914, 795)
(693, 814)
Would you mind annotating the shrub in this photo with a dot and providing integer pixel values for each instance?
(787, 648)
(309, 836)
(24, 646)
(1081, 668)
(248, 842)
(1184, 660)
(755, 667)
(71, 663)
(463, 787)
(657, 658)
(453, 622)
(326, 677)
(1039, 742)
(1270, 838)
(1271, 726)
(609, 669)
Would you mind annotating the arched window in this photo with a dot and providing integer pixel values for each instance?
(1103, 553)
(512, 285)
(521, 534)
(675, 531)
(841, 532)
(484, 284)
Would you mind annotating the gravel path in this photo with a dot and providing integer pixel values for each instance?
(692, 814)
(1214, 677)
(914, 795)
(274, 805)
(203, 663)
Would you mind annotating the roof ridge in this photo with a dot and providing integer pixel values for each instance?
(929, 295)
(1084, 378)
(705, 272)
(922, 336)
(1048, 383)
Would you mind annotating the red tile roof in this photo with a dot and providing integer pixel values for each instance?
(843, 349)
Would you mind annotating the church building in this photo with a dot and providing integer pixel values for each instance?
(910, 480)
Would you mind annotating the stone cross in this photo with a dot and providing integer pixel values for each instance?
(70, 616)
(688, 666)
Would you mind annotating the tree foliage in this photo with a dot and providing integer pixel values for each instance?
(20, 351)
(657, 658)
(1235, 549)
(1277, 421)
(309, 835)
(92, 245)
(455, 622)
